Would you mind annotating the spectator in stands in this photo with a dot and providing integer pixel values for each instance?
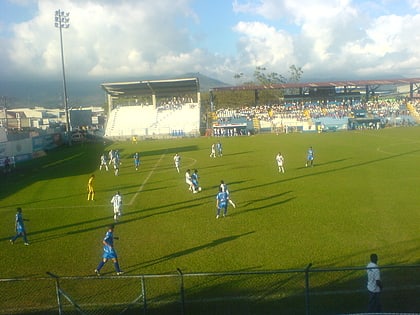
(374, 285)
(7, 165)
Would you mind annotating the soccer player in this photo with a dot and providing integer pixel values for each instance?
(104, 162)
(117, 203)
(116, 162)
(219, 149)
(194, 179)
(280, 162)
(224, 187)
(221, 202)
(111, 156)
(90, 188)
(310, 157)
(188, 180)
(213, 150)
(19, 227)
(177, 161)
(109, 251)
(136, 160)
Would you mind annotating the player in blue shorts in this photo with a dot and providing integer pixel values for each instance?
(20, 227)
(221, 202)
(194, 179)
(136, 160)
(224, 187)
(109, 251)
(310, 157)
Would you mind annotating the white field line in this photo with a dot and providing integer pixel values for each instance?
(145, 180)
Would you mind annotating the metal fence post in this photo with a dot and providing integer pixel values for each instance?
(143, 291)
(182, 291)
(307, 288)
(57, 291)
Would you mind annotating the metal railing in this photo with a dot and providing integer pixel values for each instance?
(307, 291)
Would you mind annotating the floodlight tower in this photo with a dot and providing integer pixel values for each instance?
(62, 20)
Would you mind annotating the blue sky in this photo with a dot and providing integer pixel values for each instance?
(110, 39)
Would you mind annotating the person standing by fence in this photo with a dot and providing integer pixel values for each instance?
(20, 227)
(374, 285)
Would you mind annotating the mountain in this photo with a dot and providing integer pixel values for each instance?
(14, 94)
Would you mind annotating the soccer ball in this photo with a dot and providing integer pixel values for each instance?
(199, 188)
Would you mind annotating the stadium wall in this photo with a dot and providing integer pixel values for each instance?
(29, 148)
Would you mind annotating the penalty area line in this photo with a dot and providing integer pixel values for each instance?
(145, 180)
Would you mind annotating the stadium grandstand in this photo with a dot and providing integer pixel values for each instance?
(153, 108)
(320, 107)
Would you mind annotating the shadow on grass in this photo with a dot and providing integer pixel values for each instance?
(187, 251)
(66, 162)
(103, 222)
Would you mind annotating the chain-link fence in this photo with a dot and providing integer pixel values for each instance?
(306, 291)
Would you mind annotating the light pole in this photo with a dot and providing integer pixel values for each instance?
(62, 20)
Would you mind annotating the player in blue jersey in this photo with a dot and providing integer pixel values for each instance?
(224, 187)
(219, 149)
(195, 185)
(310, 157)
(109, 251)
(136, 160)
(19, 227)
(221, 202)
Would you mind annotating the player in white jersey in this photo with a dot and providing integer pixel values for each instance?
(117, 203)
(177, 161)
(280, 162)
(188, 180)
(213, 151)
(104, 162)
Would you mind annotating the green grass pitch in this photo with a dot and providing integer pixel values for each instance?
(360, 197)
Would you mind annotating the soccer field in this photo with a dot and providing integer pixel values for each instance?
(360, 197)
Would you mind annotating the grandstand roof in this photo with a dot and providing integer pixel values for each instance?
(347, 83)
(152, 87)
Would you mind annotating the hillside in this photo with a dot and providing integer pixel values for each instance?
(80, 93)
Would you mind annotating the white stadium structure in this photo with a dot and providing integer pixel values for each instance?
(153, 109)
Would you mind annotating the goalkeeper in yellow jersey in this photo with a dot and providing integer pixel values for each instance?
(90, 188)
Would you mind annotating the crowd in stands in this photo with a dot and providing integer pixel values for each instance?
(302, 111)
(174, 103)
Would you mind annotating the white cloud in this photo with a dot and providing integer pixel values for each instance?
(105, 38)
(113, 39)
(262, 45)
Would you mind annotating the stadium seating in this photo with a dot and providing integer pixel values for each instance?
(147, 121)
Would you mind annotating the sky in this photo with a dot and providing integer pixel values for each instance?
(109, 39)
